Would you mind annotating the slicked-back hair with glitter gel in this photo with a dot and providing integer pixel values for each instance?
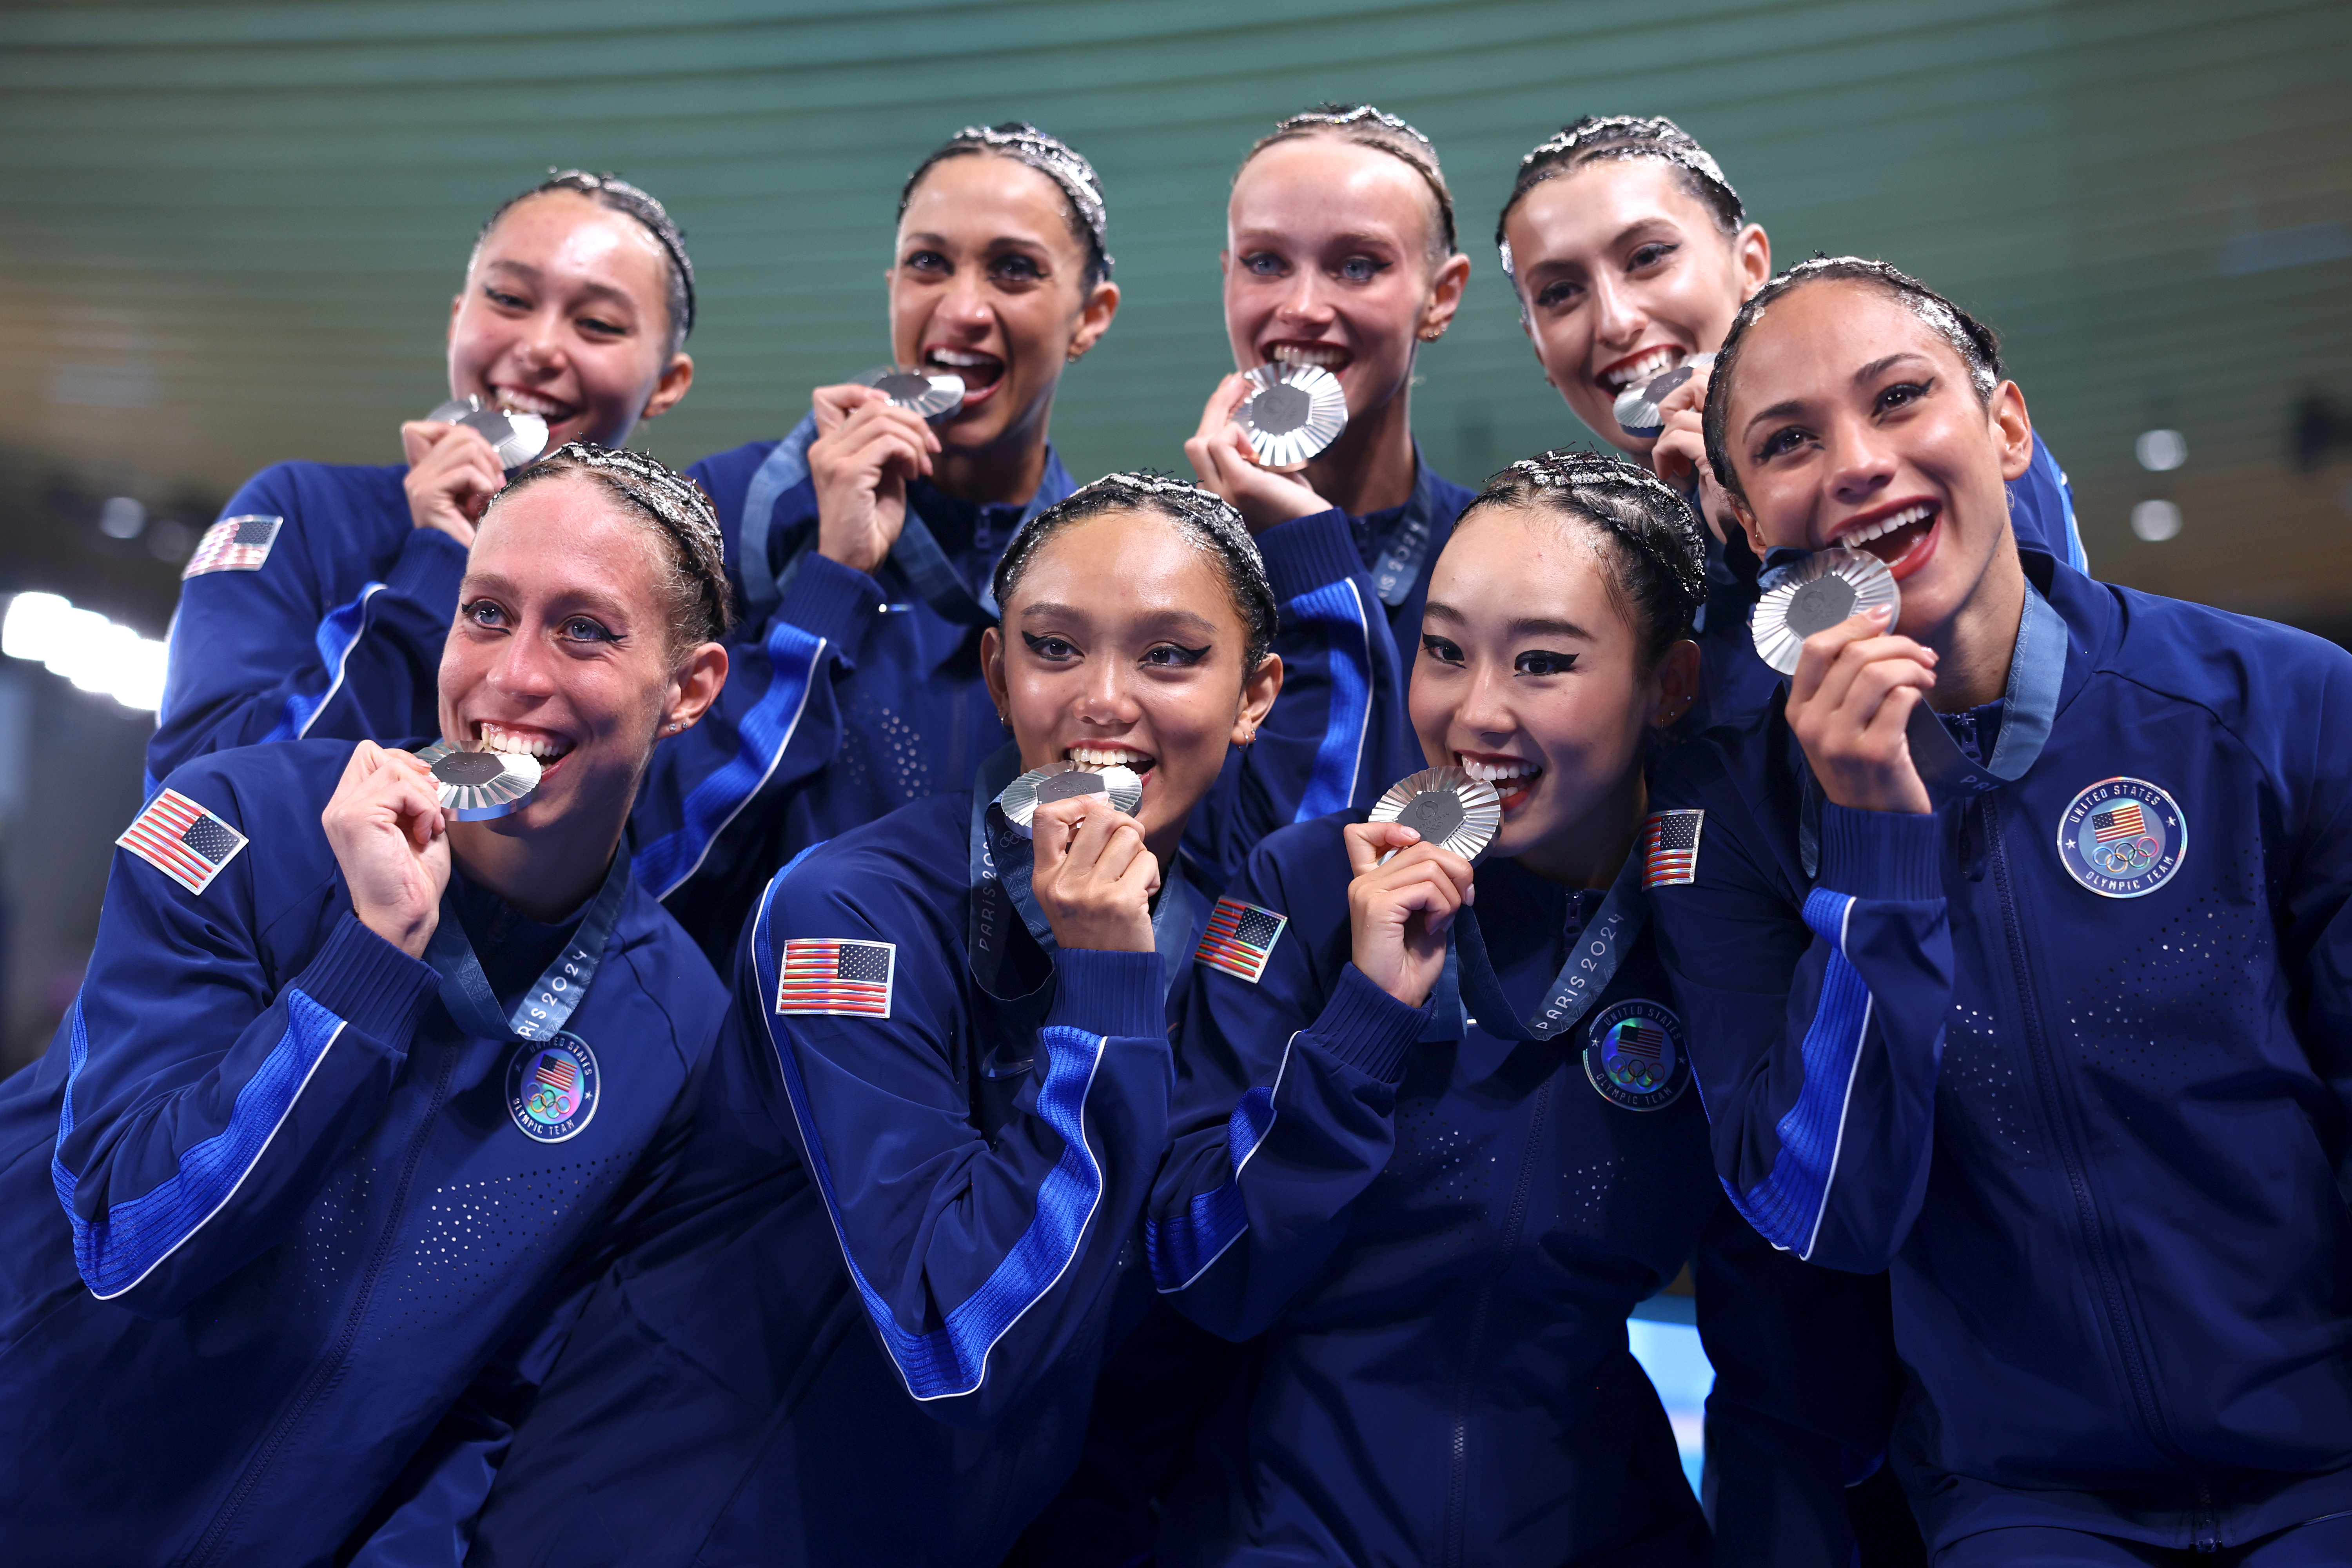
(1206, 520)
(1644, 532)
(1978, 344)
(673, 508)
(1081, 187)
(1369, 127)
(1599, 138)
(616, 194)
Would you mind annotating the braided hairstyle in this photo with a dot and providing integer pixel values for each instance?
(670, 507)
(1978, 344)
(1207, 521)
(1367, 127)
(1051, 157)
(1613, 138)
(1644, 532)
(615, 192)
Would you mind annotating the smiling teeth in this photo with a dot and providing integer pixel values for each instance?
(1495, 772)
(1886, 526)
(1104, 757)
(1657, 361)
(959, 360)
(497, 739)
(1302, 354)
(528, 403)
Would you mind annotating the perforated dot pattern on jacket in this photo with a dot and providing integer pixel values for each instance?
(884, 751)
(2177, 1006)
(472, 1237)
(1440, 1166)
(1984, 1077)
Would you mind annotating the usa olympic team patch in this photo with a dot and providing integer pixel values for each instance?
(1634, 1054)
(2123, 839)
(552, 1088)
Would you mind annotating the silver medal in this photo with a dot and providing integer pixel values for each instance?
(516, 438)
(1637, 406)
(1296, 411)
(1060, 781)
(933, 396)
(1446, 806)
(1814, 594)
(478, 786)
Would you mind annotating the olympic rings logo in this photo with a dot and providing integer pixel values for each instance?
(2127, 856)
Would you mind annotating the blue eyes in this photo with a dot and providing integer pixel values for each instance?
(491, 615)
(1535, 661)
(1354, 270)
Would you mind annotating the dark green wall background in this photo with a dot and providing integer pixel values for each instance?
(231, 231)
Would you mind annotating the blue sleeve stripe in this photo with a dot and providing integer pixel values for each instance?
(115, 1253)
(1181, 1251)
(1339, 607)
(337, 635)
(1787, 1205)
(794, 656)
(952, 1359)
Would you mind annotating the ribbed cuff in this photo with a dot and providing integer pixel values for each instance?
(368, 984)
(1309, 553)
(1367, 1028)
(1103, 992)
(430, 567)
(1894, 856)
(832, 601)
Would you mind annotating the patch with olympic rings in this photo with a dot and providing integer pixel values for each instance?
(2123, 839)
(1634, 1056)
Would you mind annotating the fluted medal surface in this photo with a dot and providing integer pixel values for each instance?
(1060, 781)
(1636, 407)
(1446, 806)
(478, 786)
(1296, 411)
(932, 395)
(1814, 594)
(516, 438)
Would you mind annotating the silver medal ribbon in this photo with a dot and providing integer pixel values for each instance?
(549, 1005)
(1592, 961)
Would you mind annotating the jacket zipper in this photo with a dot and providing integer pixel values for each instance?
(1457, 1457)
(2111, 1294)
(329, 1369)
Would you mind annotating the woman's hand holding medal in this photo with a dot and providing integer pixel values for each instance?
(453, 472)
(385, 824)
(865, 451)
(1679, 454)
(1849, 703)
(1093, 877)
(1227, 464)
(1399, 912)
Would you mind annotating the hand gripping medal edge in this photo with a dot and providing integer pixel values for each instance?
(1060, 781)
(516, 438)
(1811, 595)
(480, 786)
(935, 395)
(1636, 408)
(1296, 411)
(1446, 806)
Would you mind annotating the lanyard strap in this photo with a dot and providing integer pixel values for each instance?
(548, 1005)
(1399, 567)
(1592, 961)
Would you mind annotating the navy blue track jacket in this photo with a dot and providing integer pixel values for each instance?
(894, 1254)
(2070, 1056)
(276, 1233)
(847, 695)
(1350, 591)
(1439, 1234)
(315, 607)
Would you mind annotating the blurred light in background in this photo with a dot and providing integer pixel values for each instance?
(2155, 521)
(85, 647)
(1680, 1372)
(2158, 451)
(124, 518)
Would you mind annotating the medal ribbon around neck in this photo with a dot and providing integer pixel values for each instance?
(549, 1005)
(1399, 567)
(1002, 863)
(1592, 964)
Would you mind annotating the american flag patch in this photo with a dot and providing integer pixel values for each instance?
(1640, 1037)
(821, 976)
(1670, 847)
(235, 544)
(558, 1072)
(1239, 937)
(183, 840)
(2125, 821)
